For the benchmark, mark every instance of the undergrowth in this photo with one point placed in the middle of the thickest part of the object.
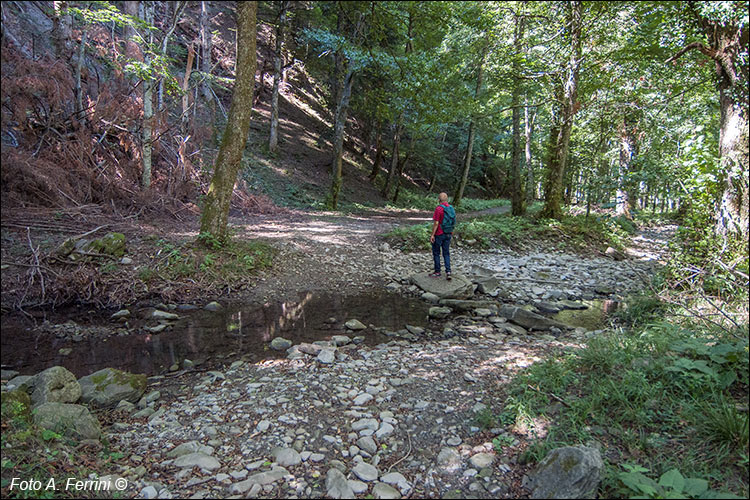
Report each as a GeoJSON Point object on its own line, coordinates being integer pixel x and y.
{"type": "Point", "coordinates": [667, 404]}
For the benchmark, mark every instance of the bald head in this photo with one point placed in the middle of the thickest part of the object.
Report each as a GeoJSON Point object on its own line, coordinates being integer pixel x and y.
{"type": "Point", "coordinates": [443, 198]}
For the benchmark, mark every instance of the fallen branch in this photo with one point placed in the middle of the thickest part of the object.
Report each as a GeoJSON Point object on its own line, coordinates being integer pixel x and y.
{"type": "Point", "coordinates": [404, 457]}
{"type": "Point", "coordinates": [553, 396]}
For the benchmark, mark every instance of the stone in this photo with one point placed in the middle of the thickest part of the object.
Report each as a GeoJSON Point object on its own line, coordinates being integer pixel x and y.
{"type": "Point", "coordinates": [458, 288]}
{"type": "Point", "coordinates": [382, 490]}
{"type": "Point", "coordinates": [567, 472]}
{"type": "Point", "coordinates": [487, 285]}
{"type": "Point", "coordinates": [482, 460]}
{"type": "Point", "coordinates": [149, 492]}
{"type": "Point", "coordinates": [157, 314]}
{"type": "Point", "coordinates": [547, 307]}
{"type": "Point", "coordinates": [190, 447]}
{"type": "Point", "coordinates": [213, 306]}
{"type": "Point", "coordinates": [439, 312]}
{"type": "Point", "coordinates": [365, 423]}
{"type": "Point", "coordinates": [157, 328]}
{"type": "Point", "coordinates": [280, 344]}
{"type": "Point", "coordinates": [362, 399]}
{"type": "Point", "coordinates": [528, 319]}
{"type": "Point", "coordinates": [430, 297]}
{"type": "Point", "coordinates": [286, 457]}
{"type": "Point", "coordinates": [339, 340]}
{"type": "Point", "coordinates": [385, 430]}
{"type": "Point", "coordinates": [448, 460]}
{"type": "Point", "coordinates": [326, 356]}
{"type": "Point", "coordinates": [68, 419]}
{"type": "Point", "coordinates": [311, 349]}
{"type": "Point", "coordinates": [126, 261]}
{"type": "Point", "coordinates": [365, 471]}
{"type": "Point", "coordinates": [358, 487]}
{"type": "Point", "coordinates": [122, 313]}
{"type": "Point", "coordinates": [337, 486]}
{"type": "Point", "coordinates": [55, 385]}
{"type": "Point", "coordinates": [354, 324]}
{"type": "Point", "coordinates": [396, 478]}
{"type": "Point", "coordinates": [259, 479]}
{"type": "Point", "coordinates": [614, 254]}
{"type": "Point", "coordinates": [7, 374]}
{"type": "Point", "coordinates": [23, 382]}
{"type": "Point", "coordinates": [109, 386]}
{"type": "Point", "coordinates": [197, 459]}
{"type": "Point", "coordinates": [367, 444]}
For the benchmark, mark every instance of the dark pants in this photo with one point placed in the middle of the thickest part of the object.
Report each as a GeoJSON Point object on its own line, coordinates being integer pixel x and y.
{"type": "Point", "coordinates": [442, 242]}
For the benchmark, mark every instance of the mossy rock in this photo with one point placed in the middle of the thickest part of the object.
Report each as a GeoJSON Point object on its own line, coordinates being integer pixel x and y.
{"type": "Point", "coordinates": [109, 244]}
{"type": "Point", "coordinates": [109, 386]}
{"type": "Point", "coordinates": [19, 399]}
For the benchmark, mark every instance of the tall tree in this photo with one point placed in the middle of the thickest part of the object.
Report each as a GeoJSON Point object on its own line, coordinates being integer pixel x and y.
{"type": "Point", "coordinates": [567, 107]}
{"type": "Point", "coordinates": [278, 59]}
{"type": "Point", "coordinates": [723, 38]}
{"type": "Point", "coordinates": [518, 206]}
{"type": "Point", "coordinates": [472, 131]}
{"type": "Point", "coordinates": [216, 203]}
{"type": "Point", "coordinates": [148, 93]}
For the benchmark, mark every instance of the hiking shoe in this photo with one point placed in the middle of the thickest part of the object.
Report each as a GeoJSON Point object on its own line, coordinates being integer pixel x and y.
{"type": "Point", "coordinates": [448, 276]}
{"type": "Point", "coordinates": [435, 275]}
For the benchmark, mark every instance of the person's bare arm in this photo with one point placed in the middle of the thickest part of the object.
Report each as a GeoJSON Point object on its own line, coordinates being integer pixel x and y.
{"type": "Point", "coordinates": [435, 226]}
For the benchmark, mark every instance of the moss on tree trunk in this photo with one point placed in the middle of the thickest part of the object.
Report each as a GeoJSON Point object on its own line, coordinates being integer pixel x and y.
{"type": "Point", "coordinates": [216, 203]}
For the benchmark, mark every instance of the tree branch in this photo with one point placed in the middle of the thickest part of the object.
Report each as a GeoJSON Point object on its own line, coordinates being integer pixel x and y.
{"type": "Point", "coordinates": [707, 51]}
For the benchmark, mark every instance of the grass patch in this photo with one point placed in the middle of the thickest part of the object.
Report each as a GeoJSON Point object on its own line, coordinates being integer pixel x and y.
{"type": "Point", "coordinates": [575, 233]}
{"type": "Point", "coordinates": [661, 399]}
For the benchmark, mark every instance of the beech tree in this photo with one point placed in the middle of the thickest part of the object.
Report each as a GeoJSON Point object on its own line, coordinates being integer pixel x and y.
{"type": "Point", "coordinates": [216, 202]}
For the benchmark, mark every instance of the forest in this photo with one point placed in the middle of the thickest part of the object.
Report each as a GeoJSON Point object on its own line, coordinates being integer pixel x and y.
{"type": "Point", "coordinates": [216, 235]}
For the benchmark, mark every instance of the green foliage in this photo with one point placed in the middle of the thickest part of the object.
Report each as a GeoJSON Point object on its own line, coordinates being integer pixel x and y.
{"type": "Point", "coordinates": [671, 484]}
{"type": "Point", "coordinates": [485, 419]}
{"type": "Point", "coordinates": [501, 442]}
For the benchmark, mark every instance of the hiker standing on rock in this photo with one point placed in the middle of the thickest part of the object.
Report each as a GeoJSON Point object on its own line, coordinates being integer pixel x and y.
{"type": "Point", "coordinates": [444, 219]}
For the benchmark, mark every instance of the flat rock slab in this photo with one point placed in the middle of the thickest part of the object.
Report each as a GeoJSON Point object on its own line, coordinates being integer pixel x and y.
{"type": "Point", "coordinates": [457, 288]}
{"type": "Point", "coordinates": [567, 472]}
{"type": "Point", "coordinates": [528, 319]}
{"type": "Point", "coordinates": [469, 305]}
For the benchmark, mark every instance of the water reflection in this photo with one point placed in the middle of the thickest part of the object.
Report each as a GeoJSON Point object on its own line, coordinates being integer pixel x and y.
{"type": "Point", "coordinates": [203, 336]}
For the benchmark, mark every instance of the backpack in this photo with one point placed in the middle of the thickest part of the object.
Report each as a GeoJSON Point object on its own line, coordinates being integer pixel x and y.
{"type": "Point", "coordinates": [449, 219]}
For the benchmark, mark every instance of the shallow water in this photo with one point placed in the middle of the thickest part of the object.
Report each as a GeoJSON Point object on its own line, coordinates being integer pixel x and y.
{"type": "Point", "coordinates": [595, 317]}
{"type": "Point", "coordinates": [202, 336]}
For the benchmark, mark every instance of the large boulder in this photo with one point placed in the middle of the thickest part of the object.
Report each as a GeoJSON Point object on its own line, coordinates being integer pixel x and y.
{"type": "Point", "coordinates": [567, 472]}
{"type": "Point", "coordinates": [457, 288]}
{"type": "Point", "coordinates": [70, 420]}
{"type": "Point", "coordinates": [528, 319]}
{"type": "Point", "coordinates": [109, 386]}
{"type": "Point", "coordinates": [55, 385]}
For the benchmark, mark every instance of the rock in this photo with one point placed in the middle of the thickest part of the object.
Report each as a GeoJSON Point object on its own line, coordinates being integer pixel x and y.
{"type": "Point", "coordinates": [68, 419]}
{"type": "Point", "coordinates": [149, 492]}
{"type": "Point", "coordinates": [286, 457]}
{"type": "Point", "coordinates": [126, 261]}
{"type": "Point", "coordinates": [482, 460]}
{"type": "Point", "coordinates": [382, 490]}
{"type": "Point", "coordinates": [156, 329]}
{"type": "Point", "coordinates": [213, 306]}
{"type": "Point", "coordinates": [190, 447]}
{"type": "Point", "coordinates": [569, 304]}
{"type": "Point", "coordinates": [326, 356]}
{"type": "Point", "coordinates": [547, 307]}
{"type": "Point", "coordinates": [396, 478]}
{"type": "Point", "coordinates": [7, 374]}
{"type": "Point", "coordinates": [311, 349]}
{"type": "Point", "coordinates": [109, 244]}
{"type": "Point", "coordinates": [55, 385]}
{"type": "Point", "coordinates": [337, 486]}
{"type": "Point", "coordinates": [23, 382]}
{"type": "Point", "coordinates": [613, 253]}
{"type": "Point", "coordinates": [385, 430]}
{"type": "Point", "coordinates": [487, 285]}
{"type": "Point", "coordinates": [365, 471]}
{"type": "Point", "coordinates": [439, 312]}
{"type": "Point", "coordinates": [197, 459]}
{"type": "Point", "coordinates": [358, 487]}
{"type": "Point", "coordinates": [365, 423]}
{"type": "Point", "coordinates": [567, 472]}
{"type": "Point", "coordinates": [528, 319]}
{"type": "Point", "coordinates": [362, 399]}
{"type": "Point", "coordinates": [430, 297]}
{"type": "Point", "coordinates": [448, 460]}
{"type": "Point", "coordinates": [368, 444]}
{"type": "Point", "coordinates": [280, 344]}
{"type": "Point", "coordinates": [261, 479]}
{"type": "Point", "coordinates": [122, 313]}
{"type": "Point", "coordinates": [603, 290]}
{"type": "Point", "coordinates": [109, 386]}
{"type": "Point", "coordinates": [354, 324]}
{"type": "Point", "coordinates": [157, 314]}
{"type": "Point", "coordinates": [339, 340]}
{"type": "Point", "coordinates": [458, 288]}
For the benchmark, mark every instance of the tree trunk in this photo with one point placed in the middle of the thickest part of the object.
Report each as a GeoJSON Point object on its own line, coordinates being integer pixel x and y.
{"type": "Point", "coordinates": [62, 30]}
{"type": "Point", "coordinates": [470, 143]}
{"type": "Point", "coordinates": [732, 212]}
{"type": "Point", "coordinates": [277, 64]}
{"type": "Point", "coordinates": [178, 8]}
{"type": "Point", "coordinates": [627, 154]}
{"type": "Point", "coordinates": [394, 159]}
{"type": "Point", "coordinates": [205, 53]}
{"type": "Point", "coordinates": [342, 109]}
{"type": "Point", "coordinates": [402, 166]}
{"type": "Point", "coordinates": [132, 50]}
{"type": "Point", "coordinates": [518, 207]}
{"type": "Point", "coordinates": [148, 111]}
{"type": "Point", "coordinates": [378, 154]}
{"type": "Point", "coordinates": [560, 137]}
{"type": "Point", "coordinates": [216, 204]}
{"type": "Point", "coordinates": [529, 130]}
